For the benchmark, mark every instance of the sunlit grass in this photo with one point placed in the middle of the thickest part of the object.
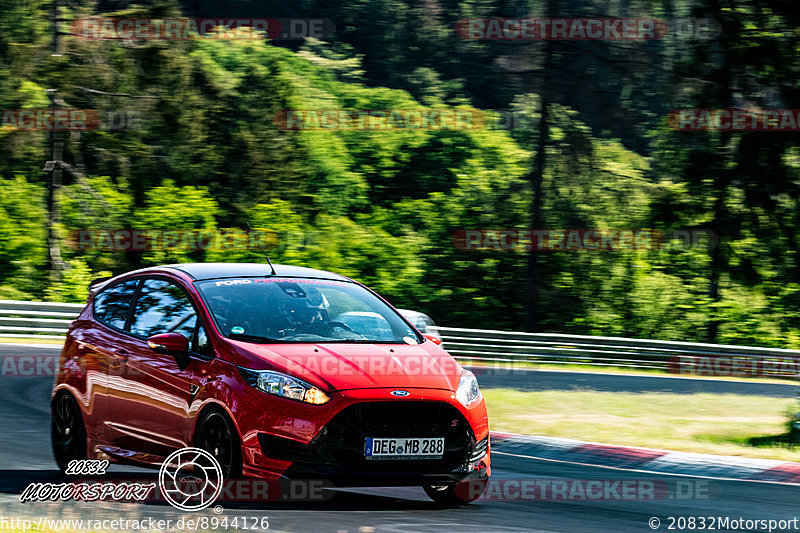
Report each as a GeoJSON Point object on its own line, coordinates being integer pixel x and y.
{"type": "Point", "coordinates": [748, 426]}
{"type": "Point", "coordinates": [30, 340]}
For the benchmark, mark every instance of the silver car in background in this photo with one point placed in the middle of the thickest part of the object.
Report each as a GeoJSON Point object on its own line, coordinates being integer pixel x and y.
{"type": "Point", "coordinates": [421, 321]}
{"type": "Point", "coordinates": [795, 429]}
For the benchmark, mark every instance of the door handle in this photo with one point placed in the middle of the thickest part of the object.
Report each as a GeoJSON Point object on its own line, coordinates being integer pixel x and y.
{"type": "Point", "coordinates": [121, 354]}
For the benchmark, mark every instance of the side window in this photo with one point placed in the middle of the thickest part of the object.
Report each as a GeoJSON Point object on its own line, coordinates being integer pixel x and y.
{"type": "Point", "coordinates": [113, 305]}
{"type": "Point", "coordinates": [162, 307]}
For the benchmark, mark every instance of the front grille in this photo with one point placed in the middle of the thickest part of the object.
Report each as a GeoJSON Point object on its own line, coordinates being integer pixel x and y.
{"type": "Point", "coordinates": [339, 446]}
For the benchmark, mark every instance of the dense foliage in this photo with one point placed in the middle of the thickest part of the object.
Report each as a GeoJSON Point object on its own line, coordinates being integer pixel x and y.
{"type": "Point", "coordinates": [205, 153]}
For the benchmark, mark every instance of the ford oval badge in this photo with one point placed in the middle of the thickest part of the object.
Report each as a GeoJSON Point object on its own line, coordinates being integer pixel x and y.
{"type": "Point", "coordinates": [400, 393]}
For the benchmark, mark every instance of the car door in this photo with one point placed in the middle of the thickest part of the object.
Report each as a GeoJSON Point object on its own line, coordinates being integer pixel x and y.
{"type": "Point", "coordinates": [150, 398]}
{"type": "Point", "coordinates": [95, 347]}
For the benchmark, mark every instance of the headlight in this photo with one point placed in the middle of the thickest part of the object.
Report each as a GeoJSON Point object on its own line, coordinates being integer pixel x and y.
{"type": "Point", "coordinates": [467, 388]}
{"type": "Point", "coordinates": [284, 386]}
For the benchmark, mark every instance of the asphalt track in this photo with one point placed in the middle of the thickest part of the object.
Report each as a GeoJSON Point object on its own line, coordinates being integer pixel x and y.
{"type": "Point", "coordinates": [539, 380]}
{"type": "Point", "coordinates": [25, 457]}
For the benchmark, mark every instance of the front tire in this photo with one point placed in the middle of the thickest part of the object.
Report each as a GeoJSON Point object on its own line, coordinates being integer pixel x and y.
{"type": "Point", "coordinates": [216, 435]}
{"type": "Point", "coordinates": [67, 431]}
{"type": "Point", "coordinates": [455, 495]}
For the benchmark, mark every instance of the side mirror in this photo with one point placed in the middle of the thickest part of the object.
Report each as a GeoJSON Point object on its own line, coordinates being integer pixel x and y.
{"type": "Point", "coordinates": [433, 338]}
{"type": "Point", "coordinates": [170, 343]}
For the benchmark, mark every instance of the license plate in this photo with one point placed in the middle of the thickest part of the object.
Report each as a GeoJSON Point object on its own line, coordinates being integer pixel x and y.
{"type": "Point", "coordinates": [400, 448]}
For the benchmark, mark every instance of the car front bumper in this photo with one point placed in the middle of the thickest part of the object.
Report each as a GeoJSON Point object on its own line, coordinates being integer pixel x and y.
{"type": "Point", "coordinates": [335, 452]}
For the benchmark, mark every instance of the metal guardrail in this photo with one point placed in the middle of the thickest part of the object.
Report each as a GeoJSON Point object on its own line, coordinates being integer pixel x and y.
{"type": "Point", "coordinates": [36, 319]}
{"type": "Point", "coordinates": [512, 347]}
{"type": "Point", "coordinates": [51, 320]}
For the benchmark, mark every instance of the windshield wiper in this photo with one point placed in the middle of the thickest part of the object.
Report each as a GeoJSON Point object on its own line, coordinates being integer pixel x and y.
{"type": "Point", "coordinates": [254, 338]}
{"type": "Point", "coordinates": [358, 341]}
{"type": "Point", "coordinates": [289, 340]}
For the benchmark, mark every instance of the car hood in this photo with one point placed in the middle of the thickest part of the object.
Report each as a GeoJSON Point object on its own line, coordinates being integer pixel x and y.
{"type": "Point", "coordinates": [354, 366]}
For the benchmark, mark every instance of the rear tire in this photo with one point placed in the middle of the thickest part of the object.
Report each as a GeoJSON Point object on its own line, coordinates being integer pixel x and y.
{"type": "Point", "coordinates": [216, 435]}
{"type": "Point", "coordinates": [455, 495]}
{"type": "Point", "coordinates": [67, 430]}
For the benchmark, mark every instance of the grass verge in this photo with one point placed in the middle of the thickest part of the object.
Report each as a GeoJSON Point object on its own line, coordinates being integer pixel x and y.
{"type": "Point", "coordinates": [608, 369]}
{"type": "Point", "coordinates": [30, 340]}
{"type": "Point", "coordinates": [747, 426]}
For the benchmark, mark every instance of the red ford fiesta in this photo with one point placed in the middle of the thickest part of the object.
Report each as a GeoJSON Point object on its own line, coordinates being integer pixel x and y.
{"type": "Point", "coordinates": [279, 372]}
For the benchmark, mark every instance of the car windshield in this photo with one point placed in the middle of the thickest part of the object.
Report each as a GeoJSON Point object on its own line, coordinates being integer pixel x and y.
{"type": "Point", "coordinates": [300, 310]}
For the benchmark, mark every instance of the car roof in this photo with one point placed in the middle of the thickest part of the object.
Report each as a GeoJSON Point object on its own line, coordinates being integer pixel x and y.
{"type": "Point", "coordinates": [204, 271]}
